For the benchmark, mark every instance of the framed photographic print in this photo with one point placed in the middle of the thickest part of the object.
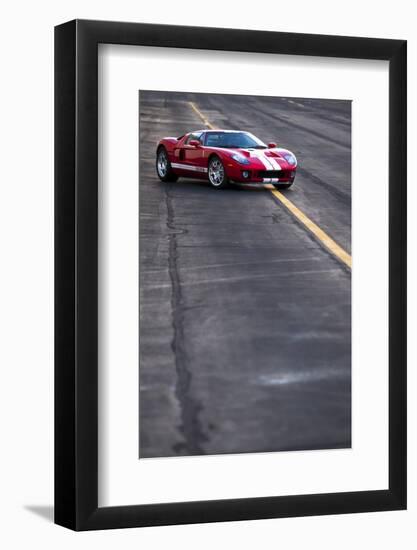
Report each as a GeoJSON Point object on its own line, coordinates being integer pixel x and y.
{"type": "Point", "coordinates": [230, 275]}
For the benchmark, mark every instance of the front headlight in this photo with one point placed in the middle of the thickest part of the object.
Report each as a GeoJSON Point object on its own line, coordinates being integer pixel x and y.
{"type": "Point", "coordinates": [240, 158]}
{"type": "Point", "coordinates": [290, 159]}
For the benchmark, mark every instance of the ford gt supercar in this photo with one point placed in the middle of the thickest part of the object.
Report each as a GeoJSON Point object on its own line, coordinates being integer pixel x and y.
{"type": "Point", "coordinates": [224, 156]}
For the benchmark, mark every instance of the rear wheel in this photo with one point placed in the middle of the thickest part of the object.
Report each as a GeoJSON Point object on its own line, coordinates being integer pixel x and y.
{"type": "Point", "coordinates": [217, 174]}
{"type": "Point", "coordinates": [163, 166]}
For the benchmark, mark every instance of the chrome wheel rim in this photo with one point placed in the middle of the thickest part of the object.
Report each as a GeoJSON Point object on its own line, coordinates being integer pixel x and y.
{"type": "Point", "coordinates": [216, 172]}
{"type": "Point", "coordinates": [162, 164]}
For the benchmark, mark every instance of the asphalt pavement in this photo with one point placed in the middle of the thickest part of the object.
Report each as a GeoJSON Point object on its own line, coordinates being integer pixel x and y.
{"type": "Point", "coordinates": [245, 316]}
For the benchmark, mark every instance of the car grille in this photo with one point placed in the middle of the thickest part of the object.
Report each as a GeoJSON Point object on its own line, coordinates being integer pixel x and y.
{"type": "Point", "coordinates": [276, 173]}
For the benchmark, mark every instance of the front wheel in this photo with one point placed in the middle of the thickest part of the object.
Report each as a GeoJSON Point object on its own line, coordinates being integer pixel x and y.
{"type": "Point", "coordinates": [283, 185]}
{"type": "Point", "coordinates": [163, 166]}
{"type": "Point", "coordinates": [217, 174]}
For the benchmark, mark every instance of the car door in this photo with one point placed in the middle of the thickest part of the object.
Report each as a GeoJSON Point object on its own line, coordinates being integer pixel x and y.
{"type": "Point", "coordinates": [191, 157]}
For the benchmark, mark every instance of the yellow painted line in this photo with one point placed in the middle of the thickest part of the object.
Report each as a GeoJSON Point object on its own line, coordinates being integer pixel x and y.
{"type": "Point", "coordinates": [200, 114]}
{"type": "Point", "coordinates": [321, 235]}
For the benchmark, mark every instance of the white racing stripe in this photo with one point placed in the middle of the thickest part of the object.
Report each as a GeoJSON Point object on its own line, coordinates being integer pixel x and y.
{"type": "Point", "coordinates": [275, 163]}
{"type": "Point", "coordinates": [269, 164]}
{"type": "Point", "coordinates": [260, 156]}
{"type": "Point", "coordinates": [188, 167]}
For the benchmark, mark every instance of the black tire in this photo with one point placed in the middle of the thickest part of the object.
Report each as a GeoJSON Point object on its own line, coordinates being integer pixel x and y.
{"type": "Point", "coordinates": [216, 173]}
{"type": "Point", "coordinates": [163, 166]}
{"type": "Point", "coordinates": [283, 185]}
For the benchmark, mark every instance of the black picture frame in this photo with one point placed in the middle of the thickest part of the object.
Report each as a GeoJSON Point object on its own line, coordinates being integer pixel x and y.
{"type": "Point", "coordinates": [76, 272]}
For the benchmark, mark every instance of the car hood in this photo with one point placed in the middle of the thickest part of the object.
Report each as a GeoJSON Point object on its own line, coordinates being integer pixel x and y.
{"type": "Point", "coordinates": [271, 159]}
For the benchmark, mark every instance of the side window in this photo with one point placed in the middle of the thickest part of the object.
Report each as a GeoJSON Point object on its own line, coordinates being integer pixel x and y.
{"type": "Point", "coordinates": [215, 139]}
{"type": "Point", "coordinates": [193, 136]}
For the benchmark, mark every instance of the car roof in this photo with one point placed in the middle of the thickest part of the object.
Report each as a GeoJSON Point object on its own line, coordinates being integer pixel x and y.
{"type": "Point", "coordinates": [217, 130]}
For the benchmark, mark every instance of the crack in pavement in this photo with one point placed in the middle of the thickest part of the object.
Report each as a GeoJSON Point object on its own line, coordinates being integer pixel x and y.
{"type": "Point", "coordinates": [316, 133]}
{"type": "Point", "coordinates": [190, 408]}
{"type": "Point", "coordinates": [344, 197]}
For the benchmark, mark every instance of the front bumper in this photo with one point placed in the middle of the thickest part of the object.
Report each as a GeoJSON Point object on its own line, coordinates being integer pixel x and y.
{"type": "Point", "coordinates": [262, 176]}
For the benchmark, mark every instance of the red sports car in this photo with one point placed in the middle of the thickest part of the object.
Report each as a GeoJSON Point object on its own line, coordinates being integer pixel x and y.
{"type": "Point", "coordinates": [224, 156]}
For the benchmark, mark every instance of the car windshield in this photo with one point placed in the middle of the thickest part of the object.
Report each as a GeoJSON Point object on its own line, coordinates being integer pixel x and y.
{"type": "Point", "coordinates": [234, 140]}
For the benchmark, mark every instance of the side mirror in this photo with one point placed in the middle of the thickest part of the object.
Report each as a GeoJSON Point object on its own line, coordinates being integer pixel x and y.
{"type": "Point", "coordinates": [194, 143]}
{"type": "Point", "coordinates": [272, 145]}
